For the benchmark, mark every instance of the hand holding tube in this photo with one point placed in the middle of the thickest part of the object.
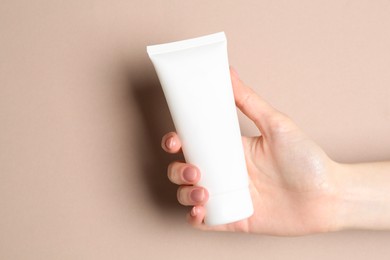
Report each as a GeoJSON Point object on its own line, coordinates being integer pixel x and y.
{"type": "Point", "coordinates": [296, 188]}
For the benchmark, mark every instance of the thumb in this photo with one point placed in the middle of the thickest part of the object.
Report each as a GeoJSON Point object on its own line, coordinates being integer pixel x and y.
{"type": "Point", "coordinates": [251, 104]}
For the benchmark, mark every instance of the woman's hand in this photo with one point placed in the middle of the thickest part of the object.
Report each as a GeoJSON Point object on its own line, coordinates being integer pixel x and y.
{"type": "Point", "coordinates": [294, 185]}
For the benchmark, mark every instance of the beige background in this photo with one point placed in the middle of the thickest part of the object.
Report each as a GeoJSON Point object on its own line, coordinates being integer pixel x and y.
{"type": "Point", "coordinates": [81, 116]}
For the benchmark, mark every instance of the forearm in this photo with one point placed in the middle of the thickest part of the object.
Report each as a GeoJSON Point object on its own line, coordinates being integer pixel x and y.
{"type": "Point", "coordinates": [364, 192]}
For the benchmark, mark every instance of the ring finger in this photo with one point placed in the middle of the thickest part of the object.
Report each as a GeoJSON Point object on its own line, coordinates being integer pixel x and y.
{"type": "Point", "coordinates": [192, 195]}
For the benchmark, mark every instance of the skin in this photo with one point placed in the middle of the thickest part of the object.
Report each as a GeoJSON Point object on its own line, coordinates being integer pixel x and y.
{"type": "Point", "coordinates": [296, 188]}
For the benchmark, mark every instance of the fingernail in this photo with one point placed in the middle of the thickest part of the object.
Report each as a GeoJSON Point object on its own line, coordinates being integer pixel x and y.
{"type": "Point", "coordinates": [189, 174]}
{"type": "Point", "coordinates": [197, 195]}
{"type": "Point", "coordinates": [194, 211]}
{"type": "Point", "coordinates": [170, 143]}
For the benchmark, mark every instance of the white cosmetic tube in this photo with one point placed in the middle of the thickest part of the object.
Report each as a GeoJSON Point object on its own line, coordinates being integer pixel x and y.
{"type": "Point", "coordinates": [195, 78]}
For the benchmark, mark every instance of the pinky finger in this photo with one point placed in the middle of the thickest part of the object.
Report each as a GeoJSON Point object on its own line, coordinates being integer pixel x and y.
{"type": "Point", "coordinates": [196, 219]}
{"type": "Point", "coordinates": [196, 216]}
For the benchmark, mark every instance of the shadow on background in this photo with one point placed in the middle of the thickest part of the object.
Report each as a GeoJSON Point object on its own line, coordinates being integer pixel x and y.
{"type": "Point", "coordinates": [155, 122]}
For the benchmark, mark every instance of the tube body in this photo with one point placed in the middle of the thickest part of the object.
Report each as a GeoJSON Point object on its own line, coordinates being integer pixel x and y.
{"type": "Point", "coordinates": [195, 78]}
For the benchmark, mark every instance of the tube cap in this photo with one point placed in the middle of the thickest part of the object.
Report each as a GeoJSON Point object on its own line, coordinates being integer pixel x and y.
{"type": "Point", "coordinates": [228, 207]}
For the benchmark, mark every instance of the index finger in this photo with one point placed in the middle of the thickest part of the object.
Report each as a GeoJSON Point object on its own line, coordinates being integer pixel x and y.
{"type": "Point", "coordinates": [171, 143]}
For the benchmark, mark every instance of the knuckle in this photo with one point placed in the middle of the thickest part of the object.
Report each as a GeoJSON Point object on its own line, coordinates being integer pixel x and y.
{"type": "Point", "coordinates": [163, 141]}
{"type": "Point", "coordinates": [244, 101]}
{"type": "Point", "coordinates": [170, 171]}
{"type": "Point", "coordinates": [280, 124]}
{"type": "Point", "coordinates": [174, 172]}
{"type": "Point", "coordinates": [180, 194]}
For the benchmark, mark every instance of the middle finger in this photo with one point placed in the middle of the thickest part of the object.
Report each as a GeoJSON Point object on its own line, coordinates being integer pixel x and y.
{"type": "Point", "coordinates": [183, 173]}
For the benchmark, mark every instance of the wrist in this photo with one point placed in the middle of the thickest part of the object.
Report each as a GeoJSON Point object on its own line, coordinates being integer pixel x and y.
{"type": "Point", "coordinates": [336, 203]}
{"type": "Point", "coordinates": [344, 216]}
{"type": "Point", "coordinates": [363, 201]}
